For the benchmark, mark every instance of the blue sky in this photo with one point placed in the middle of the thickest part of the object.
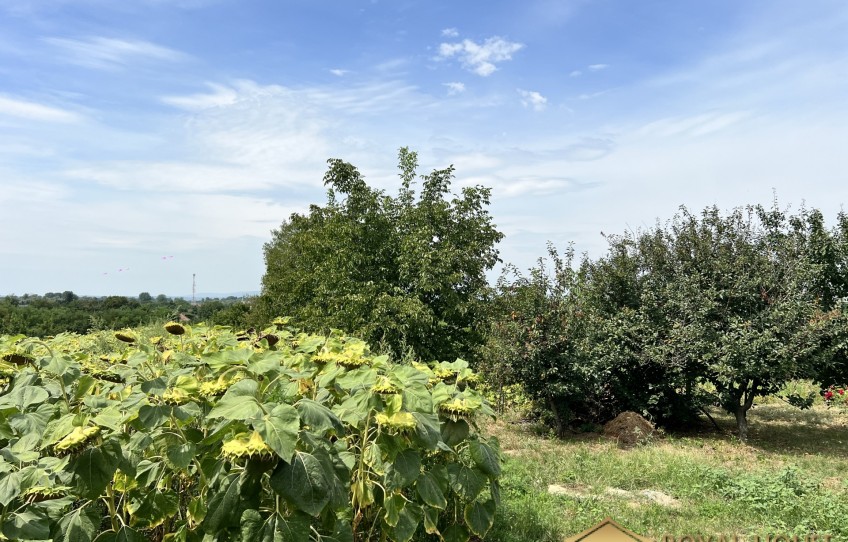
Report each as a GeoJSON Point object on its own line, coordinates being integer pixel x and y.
{"type": "Point", "coordinates": [142, 141]}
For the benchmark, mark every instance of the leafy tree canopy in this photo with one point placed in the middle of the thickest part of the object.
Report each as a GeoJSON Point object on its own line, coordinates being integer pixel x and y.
{"type": "Point", "coordinates": [707, 308]}
{"type": "Point", "coordinates": [406, 272]}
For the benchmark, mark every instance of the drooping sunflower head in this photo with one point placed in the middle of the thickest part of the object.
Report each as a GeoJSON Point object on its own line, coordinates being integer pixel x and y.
{"type": "Point", "coordinates": [175, 396]}
{"type": "Point", "coordinates": [125, 336]}
{"type": "Point", "coordinates": [17, 358]}
{"type": "Point", "coordinates": [213, 388]}
{"type": "Point", "coordinates": [353, 356]}
{"type": "Point", "coordinates": [271, 338]}
{"type": "Point", "coordinates": [444, 374]}
{"type": "Point", "coordinates": [106, 375]}
{"type": "Point", "coordinates": [457, 408]}
{"type": "Point", "coordinates": [280, 323]}
{"type": "Point", "coordinates": [398, 422]}
{"type": "Point", "coordinates": [77, 439]}
{"type": "Point", "coordinates": [43, 493]}
{"type": "Point", "coordinates": [384, 386]}
{"type": "Point", "coordinates": [323, 357]}
{"type": "Point", "coordinates": [175, 328]}
{"type": "Point", "coordinates": [242, 448]}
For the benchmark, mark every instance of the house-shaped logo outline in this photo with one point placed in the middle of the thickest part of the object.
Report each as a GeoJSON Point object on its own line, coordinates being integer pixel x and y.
{"type": "Point", "coordinates": [608, 531]}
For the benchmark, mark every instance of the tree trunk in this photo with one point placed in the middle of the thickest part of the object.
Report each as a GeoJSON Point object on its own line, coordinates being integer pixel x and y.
{"type": "Point", "coordinates": [707, 414]}
{"type": "Point", "coordinates": [742, 422]}
{"type": "Point", "coordinates": [558, 424]}
{"type": "Point", "coordinates": [747, 396]}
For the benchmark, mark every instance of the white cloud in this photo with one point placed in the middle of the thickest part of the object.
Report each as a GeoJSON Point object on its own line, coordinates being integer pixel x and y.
{"type": "Point", "coordinates": [109, 53]}
{"type": "Point", "coordinates": [35, 111]}
{"type": "Point", "coordinates": [597, 67]}
{"type": "Point", "coordinates": [220, 96]}
{"type": "Point", "coordinates": [575, 73]}
{"type": "Point", "coordinates": [450, 33]}
{"type": "Point", "coordinates": [481, 58]}
{"type": "Point", "coordinates": [454, 88]}
{"type": "Point", "coordinates": [339, 73]}
{"type": "Point", "coordinates": [531, 98]}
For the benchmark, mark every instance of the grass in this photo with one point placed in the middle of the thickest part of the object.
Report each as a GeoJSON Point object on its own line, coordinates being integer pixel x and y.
{"type": "Point", "coordinates": [790, 478]}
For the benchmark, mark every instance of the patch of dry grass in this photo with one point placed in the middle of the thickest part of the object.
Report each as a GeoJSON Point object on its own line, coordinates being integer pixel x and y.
{"type": "Point", "coordinates": [790, 477]}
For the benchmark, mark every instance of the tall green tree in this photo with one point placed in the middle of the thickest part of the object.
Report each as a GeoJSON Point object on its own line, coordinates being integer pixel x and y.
{"type": "Point", "coordinates": [406, 272]}
{"type": "Point", "coordinates": [829, 248]}
{"type": "Point", "coordinates": [737, 303]}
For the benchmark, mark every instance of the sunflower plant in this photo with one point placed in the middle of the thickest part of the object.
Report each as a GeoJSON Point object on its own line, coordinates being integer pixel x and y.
{"type": "Point", "coordinates": [216, 435]}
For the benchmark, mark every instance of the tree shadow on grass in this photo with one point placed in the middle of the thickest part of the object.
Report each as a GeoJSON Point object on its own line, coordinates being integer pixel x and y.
{"type": "Point", "coordinates": [787, 430]}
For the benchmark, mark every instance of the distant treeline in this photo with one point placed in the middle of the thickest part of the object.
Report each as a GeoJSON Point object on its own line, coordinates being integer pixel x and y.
{"type": "Point", "coordinates": [55, 312]}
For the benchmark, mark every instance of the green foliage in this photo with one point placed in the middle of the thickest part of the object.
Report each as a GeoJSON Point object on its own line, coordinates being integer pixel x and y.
{"type": "Point", "coordinates": [734, 303]}
{"type": "Point", "coordinates": [54, 313]}
{"type": "Point", "coordinates": [404, 273]}
{"type": "Point", "coordinates": [540, 340]}
{"type": "Point", "coordinates": [214, 435]}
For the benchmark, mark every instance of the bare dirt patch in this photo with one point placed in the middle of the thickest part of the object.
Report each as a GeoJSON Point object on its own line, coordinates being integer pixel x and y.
{"type": "Point", "coordinates": [578, 491]}
{"type": "Point", "coordinates": [635, 498]}
{"type": "Point", "coordinates": [643, 496]}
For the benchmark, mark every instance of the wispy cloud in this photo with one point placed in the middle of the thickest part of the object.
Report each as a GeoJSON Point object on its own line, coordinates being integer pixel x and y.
{"type": "Point", "coordinates": [592, 95]}
{"type": "Point", "coordinates": [391, 65]}
{"type": "Point", "coordinates": [220, 96]}
{"type": "Point", "coordinates": [110, 53]}
{"type": "Point", "coordinates": [531, 98]}
{"type": "Point", "coordinates": [179, 176]}
{"type": "Point", "coordinates": [28, 8]}
{"type": "Point", "coordinates": [18, 191]}
{"type": "Point", "coordinates": [450, 32]}
{"type": "Point", "coordinates": [539, 14]}
{"type": "Point", "coordinates": [497, 169]}
{"type": "Point", "coordinates": [244, 136]}
{"type": "Point", "coordinates": [35, 111]}
{"type": "Point", "coordinates": [480, 58]}
{"type": "Point", "coordinates": [541, 186]}
{"type": "Point", "coordinates": [695, 125]}
{"type": "Point", "coordinates": [590, 67]}
{"type": "Point", "coordinates": [339, 72]}
{"type": "Point", "coordinates": [454, 88]}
